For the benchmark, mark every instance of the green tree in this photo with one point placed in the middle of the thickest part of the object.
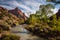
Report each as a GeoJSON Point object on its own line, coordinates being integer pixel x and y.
{"type": "Point", "coordinates": [54, 1]}
{"type": "Point", "coordinates": [58, 24]}
{"type": "Point", "coordinates": [53, 22]}
{"type": "Point", "coordinates": [44, 11]}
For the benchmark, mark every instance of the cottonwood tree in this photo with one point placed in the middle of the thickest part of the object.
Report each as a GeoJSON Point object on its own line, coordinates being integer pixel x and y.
{"type": "Point", "coordinates": [54, 1]}
{"type": "Point", "coordinates": [44, 10]}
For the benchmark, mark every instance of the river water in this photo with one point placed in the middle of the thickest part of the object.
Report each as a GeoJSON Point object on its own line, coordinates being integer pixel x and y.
{"type": "Point", "coordinates": [24, 34]}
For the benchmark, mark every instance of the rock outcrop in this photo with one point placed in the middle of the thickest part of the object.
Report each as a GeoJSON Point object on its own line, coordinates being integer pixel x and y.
{"type": "Point", "coordinates": [18, 13]}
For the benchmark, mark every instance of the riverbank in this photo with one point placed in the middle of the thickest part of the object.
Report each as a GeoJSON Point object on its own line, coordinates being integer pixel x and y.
{"type": "Point", "coordinates": [24, 34]}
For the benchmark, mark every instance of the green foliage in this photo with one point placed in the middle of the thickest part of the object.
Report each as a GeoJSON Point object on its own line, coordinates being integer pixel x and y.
{"type": "Point", "coordinates": [41, 14]}
{"type": "Point", "coordinates": [54, 1]}
{"type": "Point", "coordinates": [43, 25]}
{"type": "Point", "coordinates": [9, 37]}
{"type": "Point", "coordinates": [34, 19]}
{"type": "Point", "coordinates": [58, 24]}
{"type": "Point", "coordinates": [48, 0]}
{"type": "Point", "coordinates": [4, 26]}
{"type": "Point", "coordinates": [21, 21]}
{"type": "Point", "coordinates": [51, 0]}
{"type": "Point", "coordinates": [46, 9]}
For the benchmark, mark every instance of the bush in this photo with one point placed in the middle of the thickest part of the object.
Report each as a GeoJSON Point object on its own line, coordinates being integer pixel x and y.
{"type": "Point", "coordinates": [10, 37]}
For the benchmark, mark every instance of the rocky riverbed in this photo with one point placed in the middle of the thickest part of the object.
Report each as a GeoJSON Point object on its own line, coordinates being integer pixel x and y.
{"type": "Point", "coordinates": [24, 34]}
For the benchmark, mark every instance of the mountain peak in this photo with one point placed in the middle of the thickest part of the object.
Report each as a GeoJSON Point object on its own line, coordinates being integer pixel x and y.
{"type": "Point", "coordinates": [16, 8]}
{"type": "Point", "coordinates": [18, 13]}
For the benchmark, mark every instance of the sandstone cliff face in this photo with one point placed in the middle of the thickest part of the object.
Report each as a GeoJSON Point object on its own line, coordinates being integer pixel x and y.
{"type": "Point", "coordinates": [18, 13]}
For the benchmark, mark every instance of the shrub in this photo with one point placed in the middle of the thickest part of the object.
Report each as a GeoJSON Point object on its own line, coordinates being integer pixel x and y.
{"type": "Point", "coordinates": [10, 37]}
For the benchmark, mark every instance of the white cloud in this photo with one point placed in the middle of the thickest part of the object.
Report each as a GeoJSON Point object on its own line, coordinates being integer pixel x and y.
{"type": "Point", "coordinates": [28, 6]}
{"type": "Point", "coordinates": [15, 3]}
{"type": "Point", "coordinates": [8, 7]}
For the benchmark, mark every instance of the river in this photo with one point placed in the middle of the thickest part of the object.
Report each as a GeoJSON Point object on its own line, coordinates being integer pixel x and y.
{"type": "Point", "coordinates": [24, 34]}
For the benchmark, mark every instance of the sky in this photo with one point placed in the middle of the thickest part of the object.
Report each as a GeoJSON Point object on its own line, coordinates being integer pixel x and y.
{"type": "Point", "coordinates": [27, 6]}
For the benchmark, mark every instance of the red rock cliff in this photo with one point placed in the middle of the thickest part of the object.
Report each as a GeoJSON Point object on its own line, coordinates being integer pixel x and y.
{"type": "Point", "coordinates": [18, 13]}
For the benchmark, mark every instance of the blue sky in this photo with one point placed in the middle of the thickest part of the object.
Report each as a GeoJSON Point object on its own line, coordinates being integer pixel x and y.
{"type": "Point", "coordinates": [27, 6]}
